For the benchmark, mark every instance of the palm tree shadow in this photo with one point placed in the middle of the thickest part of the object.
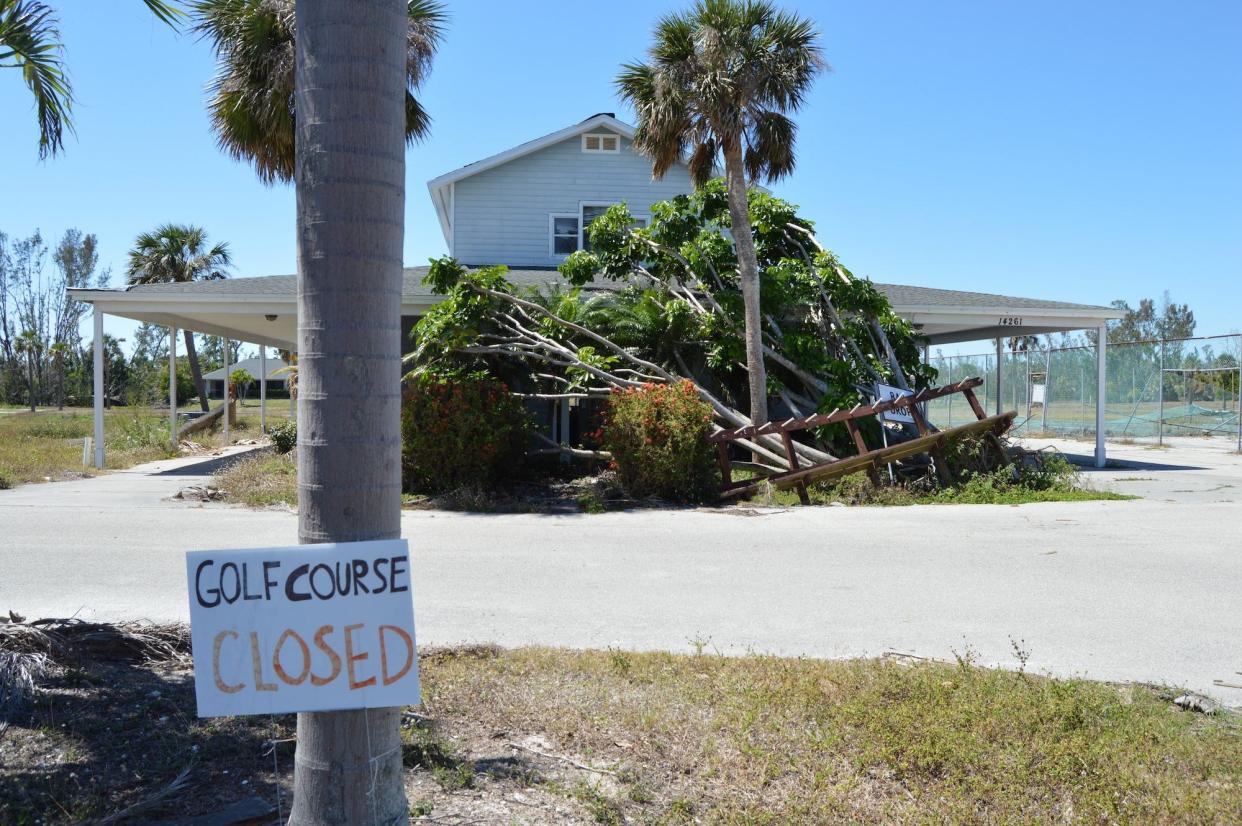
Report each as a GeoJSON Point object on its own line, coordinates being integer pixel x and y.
{"type": "Point", "coordinates": [99, 738]}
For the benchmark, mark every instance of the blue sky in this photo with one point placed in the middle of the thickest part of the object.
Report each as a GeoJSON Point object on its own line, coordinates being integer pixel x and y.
{"type": "Point", "coordinates": [1064, 150]}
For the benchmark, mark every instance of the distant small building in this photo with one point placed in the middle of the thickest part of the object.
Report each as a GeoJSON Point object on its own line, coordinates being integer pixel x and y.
{"type": "Point", "coordinates": [276, 380]}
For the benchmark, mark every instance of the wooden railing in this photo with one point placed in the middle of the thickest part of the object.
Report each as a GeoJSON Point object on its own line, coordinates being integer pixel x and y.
{"type": "Point", "coordinates": [929, 440]}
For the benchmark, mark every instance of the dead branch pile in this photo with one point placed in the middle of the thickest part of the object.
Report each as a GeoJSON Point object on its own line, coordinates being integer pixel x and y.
{"type": "Point", "coordinates": [30, 651]}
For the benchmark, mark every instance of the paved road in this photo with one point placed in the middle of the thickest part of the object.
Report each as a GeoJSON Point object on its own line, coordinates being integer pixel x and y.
{"type": "Point", "coordinates": [1142, 590]}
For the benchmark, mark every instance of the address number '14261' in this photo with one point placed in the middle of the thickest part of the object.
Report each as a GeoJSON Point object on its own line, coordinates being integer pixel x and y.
{"type": "Point", "coordinates": [1009, 321]}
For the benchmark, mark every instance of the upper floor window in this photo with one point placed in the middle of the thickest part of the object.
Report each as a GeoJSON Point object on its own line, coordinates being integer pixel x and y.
{"type": "Point", "coordinates": [601, 142]}
{"type": "Point", "coordinates": [569, 232]}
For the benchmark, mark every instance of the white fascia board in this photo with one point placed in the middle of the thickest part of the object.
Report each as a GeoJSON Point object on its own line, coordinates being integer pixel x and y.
{"type": "Point", "coordinates": [117, 300]}
{"type": "Point", "coordinates": [438, 200]}
{"type": "Point", "coordinates": [1038, 316]}
{"type": "Point", "coordinates": [417, 305]}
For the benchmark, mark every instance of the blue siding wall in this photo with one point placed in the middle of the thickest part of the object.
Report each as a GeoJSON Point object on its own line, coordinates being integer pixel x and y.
{"type": "Point", "coordinates": [501, 215]}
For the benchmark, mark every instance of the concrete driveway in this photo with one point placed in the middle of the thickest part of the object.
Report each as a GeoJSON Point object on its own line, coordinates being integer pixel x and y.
{"type": "Point", "coordinates": [1144, 590]}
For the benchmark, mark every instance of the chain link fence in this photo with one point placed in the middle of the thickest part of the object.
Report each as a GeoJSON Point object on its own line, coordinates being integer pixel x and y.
{"type": "Point", "coordinates": [1178, 387]}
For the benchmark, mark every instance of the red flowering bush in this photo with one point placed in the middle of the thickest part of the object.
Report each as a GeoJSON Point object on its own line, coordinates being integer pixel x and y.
{"type": "Point", "coordinates": [657, 435]}
{"type": "Point", "coordinates": [460, 432]}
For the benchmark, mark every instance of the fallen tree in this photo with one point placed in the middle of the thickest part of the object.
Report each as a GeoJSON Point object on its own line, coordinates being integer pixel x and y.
{"type": "Point", "coordinates": [661, 303]}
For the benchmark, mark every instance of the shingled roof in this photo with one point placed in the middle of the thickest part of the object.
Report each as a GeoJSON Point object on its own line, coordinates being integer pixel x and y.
{"type": "Point", "coordinates": [285, 286]}
{"type": "Point", "coordinates": [909, 296]}
{"type": "Point", "coordinates": [899, 295]}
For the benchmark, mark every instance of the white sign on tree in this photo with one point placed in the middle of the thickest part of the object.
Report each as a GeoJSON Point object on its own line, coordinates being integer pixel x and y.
{"type": "Point", "coordinates": [303, 628]}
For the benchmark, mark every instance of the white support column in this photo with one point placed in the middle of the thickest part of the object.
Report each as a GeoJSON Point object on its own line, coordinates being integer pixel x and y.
{"type": "Point", "coordinates": [1000, 361]}
{"type": "Point", "coordinates": [99, 389]}
{"type": "Point", "coordinates": [226, 392]}
{"type": "Point", "coordinates": [1101, 373]}
{"type": "Point", "coordinates": [172, 385]}
{"type": "Point", "coordinates": [263, 388]}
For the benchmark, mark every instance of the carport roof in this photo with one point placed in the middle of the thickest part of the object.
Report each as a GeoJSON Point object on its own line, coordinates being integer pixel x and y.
{"type": "Point", "coordinates": [263, 309]}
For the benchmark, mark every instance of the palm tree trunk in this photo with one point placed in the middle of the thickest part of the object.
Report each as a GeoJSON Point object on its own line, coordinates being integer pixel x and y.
{"type": "Point", "coordinates": [748, 276]}
{"type": "Point", "coordinates": [200, 386]}
{"type": "Point", "coordinates": [350, 175]}
{"type": "Point", "coordinates": [30, 377]}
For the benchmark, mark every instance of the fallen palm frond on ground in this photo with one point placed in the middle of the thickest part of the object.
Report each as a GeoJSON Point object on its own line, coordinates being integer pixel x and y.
{"type": "Point", "coordinates": [537, 736]}
{"type": "Point", "coordinates": [30, 651]}
{"type": "Point", "coordinates": [69, 640]}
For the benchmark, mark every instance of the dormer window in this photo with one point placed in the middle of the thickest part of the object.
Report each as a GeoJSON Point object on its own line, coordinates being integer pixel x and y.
{"type": "Point", "coordinates": [601, 142]}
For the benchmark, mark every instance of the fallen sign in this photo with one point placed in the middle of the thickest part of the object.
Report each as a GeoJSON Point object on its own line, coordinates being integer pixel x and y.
{"type": "Point", "coordinates": [302, 628]}
{"type": "Point", "coordinates": [888, 393]}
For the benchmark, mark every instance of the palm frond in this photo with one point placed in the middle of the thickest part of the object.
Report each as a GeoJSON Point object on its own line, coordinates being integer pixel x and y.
{"type": "Point", "coordinates": [770, 154]}
{"type": "Point", "coordinates": [30, 41]}
{"type": "Point", "coordinates": [251, 96]}
{"type": "Point", "coordinates": [724, 74]}
{"type": "Point", "coordinates": [177, 253]}
{"type": "Point", "coordinates": [166, 12]}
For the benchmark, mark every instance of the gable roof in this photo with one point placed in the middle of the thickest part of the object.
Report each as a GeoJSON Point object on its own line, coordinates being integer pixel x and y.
{"type": "Point", "coordinates": [440, 187]}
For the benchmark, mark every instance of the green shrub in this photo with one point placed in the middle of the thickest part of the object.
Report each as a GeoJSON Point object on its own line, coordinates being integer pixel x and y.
{"type": "Point", "coordinates": [1050, 471]}
{"type": "Point", "coordinates": [135, 432]}
{"type": "Point", "coordinates": [657, 435]}
{"type": "Point", "coordinates": [284, 437]}
{"type": "Point", "coordinates": [185, 384]}
{"type": "Point", "coordinates": [459, 433]}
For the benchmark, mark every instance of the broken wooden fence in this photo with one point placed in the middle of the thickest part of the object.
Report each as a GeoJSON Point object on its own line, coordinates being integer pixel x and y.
{"type": "Point", "coordinates": [929, 441]}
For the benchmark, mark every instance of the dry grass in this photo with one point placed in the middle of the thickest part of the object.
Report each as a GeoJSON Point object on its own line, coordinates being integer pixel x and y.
{"type": "Point", "coordinates": [544, 736]}
{"type": "Point", "coordinates": [261, 480]}
{"type": "Point", "coordinates": [47, 445]}
{"type": "Point", "coordinates": [768, 740]}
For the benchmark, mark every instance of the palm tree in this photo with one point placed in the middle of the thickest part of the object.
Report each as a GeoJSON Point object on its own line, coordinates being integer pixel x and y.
{"type": "Point", "coordinates": [252, 101]}
{"type": "Point", "coordinates": [29, 345]}
{"type": "Point", "coordinates": [179, 253]}
{"type": "Point", "coordinates": [58, 351]}
{"type": "Point", "coordinates": [1021, 344]}
{"type": "Point", "coordinates": [350, 177]}
{"type": "Point", "coordinates": [30, 41]}
{"type": "Point", "coordinates": [289, 371]}
{"type": "Point", "coordinates": [719, 82]}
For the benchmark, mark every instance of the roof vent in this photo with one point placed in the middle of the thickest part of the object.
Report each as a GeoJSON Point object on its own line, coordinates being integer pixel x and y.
{"type": "Point", "coordinates": [612, 115]}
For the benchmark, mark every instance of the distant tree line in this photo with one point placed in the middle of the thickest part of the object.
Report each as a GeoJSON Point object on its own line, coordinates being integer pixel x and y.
{"type": "Point", "coordinates": [1195, 371]}
{"type": "Point", "coordinates": [46, 361]}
